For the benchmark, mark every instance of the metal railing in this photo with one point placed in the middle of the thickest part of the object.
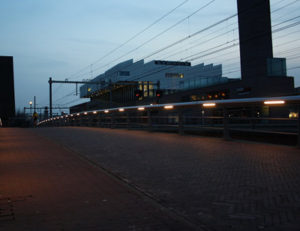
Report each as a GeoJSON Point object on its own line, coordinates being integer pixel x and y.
{"type": "Point", "coordinates": [228, 118]}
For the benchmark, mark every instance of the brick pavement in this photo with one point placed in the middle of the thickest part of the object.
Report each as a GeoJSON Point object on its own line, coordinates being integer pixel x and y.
{"type": "Point", "coordinates": [225, 185]}
{"type": "Point", "coordinates": [44, 186]}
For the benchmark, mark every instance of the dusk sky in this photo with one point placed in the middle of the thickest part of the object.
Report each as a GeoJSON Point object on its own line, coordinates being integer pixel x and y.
{"type": "Point", "coordinates": [60, 38]}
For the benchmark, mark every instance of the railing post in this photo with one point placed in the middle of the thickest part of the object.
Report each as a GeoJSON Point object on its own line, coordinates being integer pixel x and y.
{"type": "Point", "coordinates": [202, 117]}
{"type": "Point", "coordinates": [149, 118]}
{"type": "Point", "coordinates": [90, 119]}
{"type": "Point", "coordinates": [253, 118]}
{"type": "Point", "coordinates": [180, 122]}
{"type": "Point", "coordinates": [99, 118]}
{"type": "Point", "coordinates": [298, 143]}
{"type": "Point", "coordinates": [226, 134]}
{"type": "Point", "coordinates": [81, 121]}
{"type": "Point", "coordinates": [128, 120]}
{"type": "Point", "coordinates": [112, 120]}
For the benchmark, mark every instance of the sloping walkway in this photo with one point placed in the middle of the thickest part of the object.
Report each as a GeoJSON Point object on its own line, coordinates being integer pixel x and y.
{"type": "Point", "coordinates": [44, 186]}
{"type": "Point", "coordinates": [232, 186]}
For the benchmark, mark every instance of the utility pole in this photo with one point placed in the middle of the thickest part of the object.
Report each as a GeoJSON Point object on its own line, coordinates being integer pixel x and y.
{"type": "Point", "coordinates": [50, 96]}
{"type": "Point", "coordinates": [34, 104]}
{"type": "Point", "coordinates": [66, 81]}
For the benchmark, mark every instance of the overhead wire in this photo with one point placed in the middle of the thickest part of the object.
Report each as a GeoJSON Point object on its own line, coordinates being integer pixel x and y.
{"type": "Point", "coordinates": [136, 35]}
{"type": "Point", "coordinates": [159, 34]}
{"type": "Point", "coordinates": [174, 25]}
{"type": "Point", "coordinates": [279, 29]}
{"type": "Point", "coordinates": [193, 13]}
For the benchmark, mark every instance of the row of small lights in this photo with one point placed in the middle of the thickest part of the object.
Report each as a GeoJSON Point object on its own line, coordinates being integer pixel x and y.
{"type": "Point", "coordinates": [167, 107]}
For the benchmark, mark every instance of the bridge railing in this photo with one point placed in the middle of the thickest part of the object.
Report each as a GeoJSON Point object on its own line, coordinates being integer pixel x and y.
{"type": "Point", "coordinates": [228, 118]}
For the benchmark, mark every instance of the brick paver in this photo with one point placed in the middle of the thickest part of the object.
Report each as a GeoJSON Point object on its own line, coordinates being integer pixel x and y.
{"type": "Point", "coordinates": [44, 186]}
{"type": "Point", "coordinates": [225, 185]}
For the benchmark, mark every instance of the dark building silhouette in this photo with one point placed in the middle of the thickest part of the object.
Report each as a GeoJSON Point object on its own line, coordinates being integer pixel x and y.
{"type": "Point", "coordinates": [262, 74]}
{"type": "Point", "coordinates": [7, 92]}
{"type": "Point", "coordinates": [255, 37]}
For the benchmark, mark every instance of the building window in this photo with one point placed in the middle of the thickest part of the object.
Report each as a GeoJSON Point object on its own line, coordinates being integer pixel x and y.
{"type": "Point", "coordinates": [172, 63]}
{"type": "Point", "coordinates": [174, 75]}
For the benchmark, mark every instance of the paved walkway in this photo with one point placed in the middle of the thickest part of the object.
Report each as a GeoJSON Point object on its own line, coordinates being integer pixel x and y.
{"type": "Point", "coordinates": [44, 186]}
{"type": "Point", "coordinates": [223, 185]}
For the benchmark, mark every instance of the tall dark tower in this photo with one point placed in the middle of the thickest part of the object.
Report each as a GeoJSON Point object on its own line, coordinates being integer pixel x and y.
{"type": "Point", "coordinates": [7, 92]}
{"type": "Point", "coordinates": [255, 38]}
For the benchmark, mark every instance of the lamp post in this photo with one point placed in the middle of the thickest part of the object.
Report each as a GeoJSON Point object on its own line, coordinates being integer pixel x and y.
{"type": "Point", "coordinates": [30, 103]}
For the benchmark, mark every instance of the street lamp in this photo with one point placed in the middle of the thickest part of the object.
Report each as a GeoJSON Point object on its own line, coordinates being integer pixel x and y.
{"type": "Point", "coordinates": [30, 103]}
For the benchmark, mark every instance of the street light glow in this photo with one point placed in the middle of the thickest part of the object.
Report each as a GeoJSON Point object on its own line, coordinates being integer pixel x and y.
{"type": "Point", "coordinates": [274, 102]}
{"type": "Point", "coordinates": [209, 105]}
{"type": "Point", "coordinates": [141, 108]}
{"type": "Point", "coordinates": [168, 107]}
{"type": "Point", "coordinates": [121, 109]}
{"type": "Point", "coordinates": [106, 111]}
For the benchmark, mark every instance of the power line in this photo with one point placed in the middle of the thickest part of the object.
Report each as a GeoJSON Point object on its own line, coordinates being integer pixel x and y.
{"type": "Point", "coordinates": [137, 34]}
{"type": "Point", "coordinates": [199, 32]}
{"type": "Point", "coordinates": [277, 30]}
{"type": "Point", "coordinates": [159, 34]}
{"type": "Point", "coordinates": [287, 5]}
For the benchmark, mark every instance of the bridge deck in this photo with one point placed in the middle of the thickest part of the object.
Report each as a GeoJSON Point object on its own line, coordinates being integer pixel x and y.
{"type": "Point", "coordinates": [44, 186]}
{"type": "Point", "coordinates": [214, 184]}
